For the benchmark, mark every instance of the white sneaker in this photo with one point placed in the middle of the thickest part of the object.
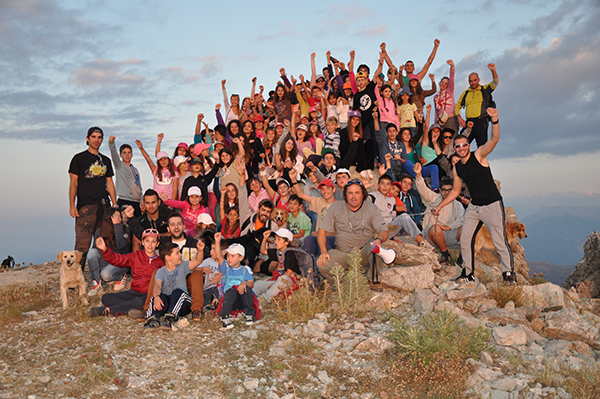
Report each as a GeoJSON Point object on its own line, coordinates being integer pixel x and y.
{"type": "Point", "coordinates": [120, 285]}
{"type": "Point", "coordinates": [96, 289]}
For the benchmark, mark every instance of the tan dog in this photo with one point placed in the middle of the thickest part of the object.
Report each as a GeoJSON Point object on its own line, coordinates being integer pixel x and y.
{"type": "Point", "coordinates": [484, 239]}
{"type": "Point", "coordinates": [280, 217]}
{"type": "Point", "coordinates": [71, 275]}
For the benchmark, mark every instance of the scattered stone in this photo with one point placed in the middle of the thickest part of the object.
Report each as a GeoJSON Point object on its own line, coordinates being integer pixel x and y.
{"type": "Point", "coordinates": [251, 384]}
{"type": "Point", "coordinates": [375, 342]}
{"type": "Point", "coordinates": [137, 382]}
{"type": "Point", "coordinates": [486, 358]}
{"type": "Point", "coordinates": [510, 306]}
{"type": "Point", "coordinates": [30, 313]}
{"type": "Point", "coordinates": [387, 299]}
{"type": "Point", "coordinates": [503, 316]}
{"type": "Point", "coordinates": [547, 296]}
{"type": "Point", "coordinates": [469, 290]}
{"type": "Point", "coordinates": [323, 377]}
{"type": "Point", "coordinates": [252, 334]}
{"type": "Point", "coordinates": [422, 300]}
{"type": "Point", "coordinates": [509, 336]}
{"type": "Point", "coordinates": [44, 379]}
{"type": "Point", "coordinates": [570, 325]}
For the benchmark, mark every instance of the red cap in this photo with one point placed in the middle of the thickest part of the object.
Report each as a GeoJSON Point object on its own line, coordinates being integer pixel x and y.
{"type": "Point", "coordinates": [326, 182]}
{"type": "Point", "coordinates": [258, 118]}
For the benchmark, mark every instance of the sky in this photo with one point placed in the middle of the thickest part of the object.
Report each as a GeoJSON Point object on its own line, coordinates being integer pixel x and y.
{"type": "Point", "coordinates": [139, 68]}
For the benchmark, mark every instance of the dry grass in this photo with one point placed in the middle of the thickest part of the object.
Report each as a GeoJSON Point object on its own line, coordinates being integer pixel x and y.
{"type": "Point", "coordinates": [302, 305]}
{"type": "Point", "coordinates": [503, 293]}
{"type": "Point", "coordinates": [18, 299]}
{"type": "Point", "coordinates": [350, 291]}
{"type": "Point", "coordinates": [583, 384]}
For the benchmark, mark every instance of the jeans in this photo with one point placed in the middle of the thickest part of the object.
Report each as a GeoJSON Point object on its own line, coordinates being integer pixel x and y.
{"type": "Point", "coordinates": [311, 245]}
{"type": "Point", "coordinates": [430, 170]}
{"type": "Point", "coordinates": [100, 269]}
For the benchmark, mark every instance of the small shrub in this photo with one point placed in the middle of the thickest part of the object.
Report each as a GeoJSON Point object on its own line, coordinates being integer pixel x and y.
{"type": "Point", "coordinates": [301, 305]}
{"type": "Point", "coordinates": [350, 290]}
{"type": "Point", "coordinates": [537, 280]}
{"type": "Point", "coordinates": [583, 384]}
{"type": "Point", "coordinates": [504, 293]}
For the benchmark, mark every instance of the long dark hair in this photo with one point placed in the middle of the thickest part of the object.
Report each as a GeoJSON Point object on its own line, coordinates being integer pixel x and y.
{"type": "Point", "coordinates": [234, 122]}
{"type": "Point", "coordinates": [107, 229]}
{"type": "Point", "coordinates": [350, 128]}
{"type": "Point", "coordinates": [411, 141]}
{"type": "Point", "coordinates": [230, 229]}
{"type": "Point", "coordinates": [283, 152]}
{"type": "Point", "coordinates": [159, 169]}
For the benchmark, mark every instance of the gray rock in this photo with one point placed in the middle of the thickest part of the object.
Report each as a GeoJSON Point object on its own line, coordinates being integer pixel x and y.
{"type": "Point", "coordinates": [252, 334]}
{"type": "Point", "coordinates": [251, 384]}
{"type": "Point", "coordinates": [509, 336]}
{"type": "Point", "coordinates": [137, 382]}
{"type": "Point", "coordinates": [323, 377]}
{"type": "Point", "coordinates": [422, 300]}
{"type": "Point", "coordinates": [486, 358]}
{"type": "Point", "coordinates": [468, 290]}
{"type": "Point", "coordinates": [568, 324]}
{"type": "Point", "coordinates": [503, 316]}
{"type": "Point", "coordinates": [408, 278]}
{"type": "Point", "coordinates": [547, 296]}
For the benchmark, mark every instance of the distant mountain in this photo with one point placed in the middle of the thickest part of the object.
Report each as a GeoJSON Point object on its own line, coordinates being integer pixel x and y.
{"type": "Point", "coordinates": [556, 274]}
{"type": "Point", "coordinates": [556, 234]}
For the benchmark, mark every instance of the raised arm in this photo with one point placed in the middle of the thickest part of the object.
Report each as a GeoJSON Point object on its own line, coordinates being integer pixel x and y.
{"type": "Point", "coordinates": [225, 99]}
{"type": "Point", "coordinates": [436, 44]}
{"type": "Point", "coordinates": [218, 253]}
{"type": "Point", "coordinates": [241, 151]}
{"type": "Point", "coordinates": [351, 62]}
{"type": "Point", "coordinates": [297, 190]}
{"type": "Point", "coordinates": [198, 126]}
{"type": "Point", "coordinates": [253, 88]}
{"type": "Point", "coordinates": [313, 68]}
{"type": "Point", "coordinates": [263, 243]}
{"type": "Point", "coordinates": [286, 82]}
{"type": "Point", "coordinates": [482, 152]}
{"type": "Point", "coordinates": [492, 68]}
{"type": "Point", "coordinates": [194, 263]}
{"type": "Point", "coordinates": [265, 181]}
{"type": "Point", "coordinates": [159, 139]}
{"type": "Point", "coordinates": [114, 154]}
{"type": "Point", "coordinates": [145, 155]}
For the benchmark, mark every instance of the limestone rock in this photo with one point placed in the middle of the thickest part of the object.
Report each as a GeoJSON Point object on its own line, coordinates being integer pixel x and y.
{"type": "Point", "coordinates": [502, 316]}
{"type": "Point", "coordinates": [411, 254]}
{"type": "Point", "coordinates": [547, 296]}
{"type": "Point", "coordinates": [408, 278]}
{"type": "Point", "coordinates": [422, 300]}
{"type": "Point", "coordinates": [376, 343]}
{"type": "Point", "coordinates": [387, 299]}
{"type": "Point", "coordinates": [588, 268]}
{"type": "Point", "coordinates": [568, 324]}
{"type": "Point", "coordinates": [468, 290]}
{"type": "Point", "coordinates": [509, 335]}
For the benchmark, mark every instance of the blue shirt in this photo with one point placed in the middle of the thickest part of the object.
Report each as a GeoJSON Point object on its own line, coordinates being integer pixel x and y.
{"type": "Point", "coordinates": [234, 276]}
{"type": "Point", "coordinates": [171, 280]}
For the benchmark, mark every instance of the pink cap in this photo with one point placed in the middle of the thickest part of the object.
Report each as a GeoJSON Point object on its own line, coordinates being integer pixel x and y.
{"type": "Point", "coordinates": [198, 148]}
{"type": "Point", "coordinates": [184, 145]}
{"type": "Point", "coordinates": [413, 76]}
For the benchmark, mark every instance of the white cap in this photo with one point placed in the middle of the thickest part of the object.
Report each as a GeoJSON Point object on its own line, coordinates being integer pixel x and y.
{"type": "Point", "coordinates": [343, 170]}
{"type": "Point", "coordinates": [161, 155]}
{"type": "Point", "coordinates": [179, 159]}
{"type": "Point", "coordinates": [236, 249]}
{"type": "Point", "coordinates": [303, 127]}
{"type": "Point", "coordinates": [205, 219]}
{"type": "Point", "coordinates": [285, 233]}
{"type": "Point", "coordinates": [194, 191]}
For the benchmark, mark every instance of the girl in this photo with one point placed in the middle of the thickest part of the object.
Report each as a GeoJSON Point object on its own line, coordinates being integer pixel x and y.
{"type": "Point", "coordinates": [255, 146]}
{"type": "Point", "coordinates": [288, 156]}
{"type": "Point", "coordinates": [166, 178]}
{"type": "Point", "coordinates": [182, 166]}
{"type": "Point", "coordinates": [282, 104]}
{"type": "Point", "coordinates": [191, 208]}
{"type": "Point", "coordinates": [411, 157]}
{"type": "Point", "coordinates": [352, 147]}
{"type": "Point", "coordinates": [269, 142]}
{"type": "Point", "coordinates": [246, 109]}
{"type": "Point", "coordinates": [388, 112]}
{"type": "Point", "coordinates": [258, 193]}
{"type": "Point", "coordinates": [230, 225]}
{"type": "Point", "coordinates": [302, 141]}
{"type": "Point", "coordinates": [233, 111]}
{"type": "Point", "coordinates": [419, 94]}
{"type": "Point", "coordinates": [332, 110]}
{"type": "Point", "coordinates": [444, 101]}
{"type": "Point", "coordinates": [406, 110]}
{"type": "Point", "coordinates": [228, 173]}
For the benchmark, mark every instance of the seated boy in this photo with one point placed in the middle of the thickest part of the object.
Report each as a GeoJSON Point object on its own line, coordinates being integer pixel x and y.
{"type": "Point", "coordinates": [299, 222]}
{"type": "Point", "coordinates": [210, 268]}
{"type": "Point", "coordinates": [237, 283]}
{"type": "Point", "coordinates": [170, 296]}
{"type": "Point", "coordinates": [286, 266]}
{"type": "Point", "coordinates": [142, 263]}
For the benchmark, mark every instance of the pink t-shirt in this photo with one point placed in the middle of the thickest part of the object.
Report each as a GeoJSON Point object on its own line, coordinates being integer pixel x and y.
{"type": "Point", "coordinates": [189, 215]}
{"type": "Point", "coordinates": [166, 184]}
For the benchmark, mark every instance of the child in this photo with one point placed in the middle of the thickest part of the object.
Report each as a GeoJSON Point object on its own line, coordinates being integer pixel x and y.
{"type": "Point", "coordinates": [406, 110]}
{"type": "Point", "coordinates": [328, 167]}
{"type": "Point", "coordinates": [210, 268]}
{"type": "Point", "coordinates": [300, 224]}
{"type": "Point", "coordinates": [237, 284]}
{"type": "Point", "coordinates": [191, 208]}
{"type": "Point", "coordinates": [166, 178]}
{"type": "Point", "coordinates": [230, 224]}
{"type": "Point", "coordinates": [170, 296]}
{"type": "Point", "coordinates": [284, 268]}
{"type": "Point", "coordinates": [258, 194]}
{"type": "Point", "coordinates": [183, 169]}
{"type": "Point", "coordinates": [282, 196]}
{"type": "Point", "coordinates": [142, 263]}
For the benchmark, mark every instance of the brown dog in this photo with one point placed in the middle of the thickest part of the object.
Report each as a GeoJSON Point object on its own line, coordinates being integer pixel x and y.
{"type": "Point", "coordinates": [280, 217]}
{"type": "Point", "coordinates": [71, 275]}
{"type": "Point", "coordinates": [484, 239]}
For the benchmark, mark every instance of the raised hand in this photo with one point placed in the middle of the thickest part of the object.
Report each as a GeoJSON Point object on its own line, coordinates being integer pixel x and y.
{"type": "Point", "coordinates": [163, 197]}
{"type": "Point", "coordinates": [293, 174]}
{"type": "Point", "coordinates": [492, 67]}
{"type": "Point", "coordinates": [200, 246]}
{"type": "Point", "coordinates": [282, 71]}
{"type": "Point", "coordinates": [254, 79]}
{"type": "Point", "coordinates": [286, 122]}
{"type": "Point", "coordinates": [313, 55]}
{"type": "Point", "coordinates": [382, 46]}
{"type": "Point", "coordinates": [294, 81]}
{"type": "Point", "coordinates": [301, 77]}
{"type": "Point", "coordinates": [401, 68]}
{"type": "Point", "coordinates": [428, 106]}
{"type": "Point", "coordinates": [139, 144]}
{"type": "Point", "coordinates": [223, 82]}
{"type": "Point", "coordinates": [310, 165]}
{"type": "Point", "coordinates": [200, 117]}
{"type": "Point", "coordinates": [217, 107]}
{"type": "Point", "coordinates": [218, 237]}
{"type": "Point", "coordinates": [451, 63]}
{"type": "Point", "coordinates": [388, 157]}
{"type": "Point", "coordinates": [352, 54]}
{"type": "Point", "coordinates": [266, 234]}
{"type": "Point", "coordinates": [432, 77]}
{"type": "Point", "coordinates": [261, 88]}
{"type": "Point", "coordinates": [328, 54]}
{"type": "Point", "coordinates": [111, 139]}
{"type": "Point", "coordinates": [436, 42]}
{"type": "Point", "coordinates": [493, 113]}
{"type": "Point", "coordinates": [128, 211]}
{"type": "Point", "coordinates": [160, 136]}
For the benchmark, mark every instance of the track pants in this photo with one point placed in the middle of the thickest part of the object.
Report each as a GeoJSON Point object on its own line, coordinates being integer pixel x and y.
{"type": "Point", "coordinates": [493, 217]}
{"type": "Point", "coordinates": [178, 303]}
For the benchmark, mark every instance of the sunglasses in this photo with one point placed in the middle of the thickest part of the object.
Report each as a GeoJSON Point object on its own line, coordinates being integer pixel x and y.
{"type": "Point", "coordinates": [447, 137]}
{"type": "Point", "coordinates": [150, 231]}
{"type": "Point", "coordinates": [461, 145]}
{"type": "Point", "coordinates": [350, 182]}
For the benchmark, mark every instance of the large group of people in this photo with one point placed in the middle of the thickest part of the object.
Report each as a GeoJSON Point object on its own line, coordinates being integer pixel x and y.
{"type": "Point", "coordinates": [344, 160]}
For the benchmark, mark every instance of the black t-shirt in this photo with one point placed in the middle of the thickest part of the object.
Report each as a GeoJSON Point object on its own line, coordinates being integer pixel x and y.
{"type": "Point", "coordinates": [92, 171]}
{"type": "Point", "coordinates": [290, 262]}
{"type": "Point", "coordinates": [160, 224]}
{"type": "Point", "coordinates": [479, 181]}
{"type": "Point", "coordinates": [365, 102]}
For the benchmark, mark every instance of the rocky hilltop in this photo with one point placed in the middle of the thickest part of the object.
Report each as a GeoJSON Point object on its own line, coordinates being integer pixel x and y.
{"type": "Point", "coordinates": [586, 277]}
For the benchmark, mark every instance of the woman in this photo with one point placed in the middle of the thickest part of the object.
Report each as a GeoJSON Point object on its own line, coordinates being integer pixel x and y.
{"type": "Point", "coordinates": [233, 111]}
{"type": "Point", "coordinates": [444, 102]}
{"type": "Point", "coordinates": [410, 159]}
{"type": "Point", "coordinates": [288, 157]}
{"type": "Point", "coordinates": [282, 104]}
{"type": "Point", "coordinates": [353, 149]}
{"type": "Point", "coordinates": [419, 95]}
{"type": "Point", "coordinates": [255, 146]}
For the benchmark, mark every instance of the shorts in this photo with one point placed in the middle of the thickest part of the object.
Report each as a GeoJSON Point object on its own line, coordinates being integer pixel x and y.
{"type": "Point", "coordinates": [449, 235]}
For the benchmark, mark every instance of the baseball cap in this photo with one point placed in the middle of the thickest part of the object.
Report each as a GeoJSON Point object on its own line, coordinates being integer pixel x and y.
{"type": "Point", "coordinates": [435, 126]}
{"type": "Point", "coordinates": [352, 113]}
{"type": "Point", "coordinates": [414, 76]}
{"type": "Point", "coordinates": [179, 159]}
{"type": "Point", "coordinates": [279, 124]}
{"type": "Point", "coordinates": [303, 127]}
{"type": "Point", "coordinates": [320, 77]}
{"type": "Point", "coordinates": [326, 182]}
{"type": "Point", "coordinates": [282, 180]}
{"type": "Point", "coordinates": [184, 145]}
{"type": "Point", "coordinates": [343, 170]}
{"type": "Point", "coordinates": [347, 85]}
{"type": "Point", "coordinates": [285, 233]}
{"type": "Point", "coordinates": [314, 122]}
{"type": "Point", "coordinates": [161, 155]}
{"type": "Point", "coordinates": [303, 116]}
{"type": "Point", "coordinates": [198, 148]}
{"type": "Point", "coordinates": [258, 118]}
{"type": "Point", "coordinates": [194, 161]}
{"type": "Point", "coordinates": [236, 249]}
{"type": "Point", "coordinates": [150, 233]}
{"type": "Point", "coordinates": [405, 90]}
{"type": "Point", "coordinates": [217, 143]}
{"type": "Point", "coordinates": [327, 150]}
{"type": "Point", "coordinates": [94, 129]}
{"type": "Point", "coordinates": [361, 75]}
{"type": "Point", "coordinates": [194, 191]}
{"type": "Point", "coordinates": [312, 109]}
{"type": "Point", "coordinates": [204, 218]}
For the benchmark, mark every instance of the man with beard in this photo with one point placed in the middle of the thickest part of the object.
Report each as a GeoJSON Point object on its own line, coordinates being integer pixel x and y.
{"type": "Point", "coordinates": [154, 217]}
{"type": "Point", "coordinates": [486, 205]}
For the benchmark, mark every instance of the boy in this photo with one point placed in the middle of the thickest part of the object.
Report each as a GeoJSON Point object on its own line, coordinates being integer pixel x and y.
{"type": "Point", "coordinates": [300, 224]}
{"type": "Point", "coordinates": [258, 194]}
{"type": "Point", "coordinates": [411, 202]}
{"type": "Point", "coordinates": [142, 263]}
{"type": "Point", "coordinates": [237, 283]}
{"type": "Point", "coordinates": [328, 167]}
{"type": "Point", "coordinates": [170, 296]}
{"type": "Point", "coordinates": [129, 185]}
{"type": "Point", "coordinates": [284, 268]}
{"type": "Point", "coordinates": [281, 197]}
{"type": "Point", "coordinates": [210, 268]}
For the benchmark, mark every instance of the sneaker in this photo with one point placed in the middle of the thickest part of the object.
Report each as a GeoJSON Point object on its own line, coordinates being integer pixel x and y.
{"type": "Point", "coordinates": [120, 285]}
{"type": "Point", "coordinates": [509, 277]}
{"type": "Point", "coordinates": [464, 277]}
{"type": "Point", "coordinates": [226, 323]}
{"type": "Point", "coordinates": [197, 315]}
{"type": "Point", "coordinates": [96, 289]}
{"type": "Point", "coordinates": [151, 324]}
{"type": "Point", "coordinates": [136, 314]}
{"type": "Point", "coordinates": [250, 320]}
{"type": "Point", "coordinates": [99, 311]}
{"type": "Point", "coordinates": [167, 322]}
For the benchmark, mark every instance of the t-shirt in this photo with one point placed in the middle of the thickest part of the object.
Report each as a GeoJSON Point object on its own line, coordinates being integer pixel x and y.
{"type": "Point", "coordinates": [365, 102]}
{"type": "Point", "coordinates": [319, 205]}
{"type": "Point", "coordinates": [427, 152]}
{"type": "Point", "coordinates": [92, 171]}
{"type": "Point", "coordinates": [385, 204]}
{"type": "Point", "coordinates": [166, 184]}
{"type": "Point", "coordinates": [234, 276]}
{"type": "Point", "coordinates": [406, 115]}
{"type": "Point", "coordinates": [289, 262]}
{"type": "Point", "coordinates": [214, 270]}
{"type": "Point", "coordinates": [353, 229]}
{"type": "Point", "coordinates": [300, 222]}
{"type": "Point", "coordinates": [174, 279]}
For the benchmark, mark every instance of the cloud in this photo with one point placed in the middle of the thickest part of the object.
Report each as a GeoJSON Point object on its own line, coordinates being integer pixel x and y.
{"type": "Point", "coordinates": [106, 73]}
{"type": "Point", "coordinates": [272, 36]}
{"type": "Point", "coordinates": [179, 73]}
{"type": "Point", "coordinates": [372, 32]}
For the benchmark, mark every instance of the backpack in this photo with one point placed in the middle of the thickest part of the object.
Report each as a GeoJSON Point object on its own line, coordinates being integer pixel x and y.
{"type": "Point", "coordinates": [487, 100]}
{"type": "Point", "coordinates": [308, 267]}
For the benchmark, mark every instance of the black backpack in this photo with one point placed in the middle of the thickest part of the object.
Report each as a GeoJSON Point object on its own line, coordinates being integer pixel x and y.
{"type": "Point", "coordinates": [308, 267]}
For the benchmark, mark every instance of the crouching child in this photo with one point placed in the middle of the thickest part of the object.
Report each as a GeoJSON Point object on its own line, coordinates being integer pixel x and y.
{"type": "Point", "coordinates": [170, 297]}
{"type": "Point", "coordinates": [237, 282]}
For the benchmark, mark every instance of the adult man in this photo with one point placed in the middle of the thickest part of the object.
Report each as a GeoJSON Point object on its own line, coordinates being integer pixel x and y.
{"type": "Point", "coordinates": [354, 222]}
{"type": "Point", "coordinates": [476, 99]}
{"type": "Point", "coordinates": [409, 66]}
{"type": "Point", "coordinates": [92, 184]}
{"type": "Point", "coordinates": [486, 205]}
{"type": "Point", "coordinates": [129, 185]}
{"type": "Point", "coordinates": [155, 217]}
{"type": "Point", "coordinates": [444, 229]}
{"type": "Point", "coordinates": [252, 221]}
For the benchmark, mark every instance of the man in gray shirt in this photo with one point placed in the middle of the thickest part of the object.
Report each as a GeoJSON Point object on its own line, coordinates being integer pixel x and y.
{"type": "Point", "coordinates": [355, 223]}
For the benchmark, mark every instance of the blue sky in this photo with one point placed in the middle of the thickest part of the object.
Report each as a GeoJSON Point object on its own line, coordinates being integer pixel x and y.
{"type": "Point", "coordinates": [138, 68]}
